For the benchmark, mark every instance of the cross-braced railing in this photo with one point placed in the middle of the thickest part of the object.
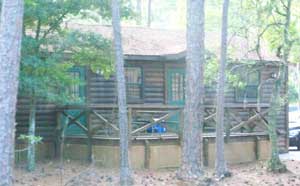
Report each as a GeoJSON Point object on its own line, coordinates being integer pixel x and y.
{"type": "Point", "coordinates": [157, 120]}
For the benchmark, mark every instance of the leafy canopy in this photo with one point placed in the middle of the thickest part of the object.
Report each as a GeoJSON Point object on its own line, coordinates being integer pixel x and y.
{"type": "Point", "coordinates": [50, 49]}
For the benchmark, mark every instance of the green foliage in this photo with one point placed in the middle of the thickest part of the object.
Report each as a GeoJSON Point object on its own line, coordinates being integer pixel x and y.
{"type": "Point", "coordinates": [292, 92]}
{"type": "Point", "coordinates": [49, 50]}
{"type": "Point", "coordinates": [30, 138]}
{"type": "Point", "coordinates": [233, 77]}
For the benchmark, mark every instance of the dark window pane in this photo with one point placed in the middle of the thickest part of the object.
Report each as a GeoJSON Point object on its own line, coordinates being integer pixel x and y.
{"type": "Point", "coordinates": [250, 91]}
{"type": "Point", "coordinates": [133, 77]}
{"type": "Point", "coordinates": [177, 87]}
{"type": "Point", "coordinates": [253, 78]}
{"type": "Point", "coordinates": [75, 88]}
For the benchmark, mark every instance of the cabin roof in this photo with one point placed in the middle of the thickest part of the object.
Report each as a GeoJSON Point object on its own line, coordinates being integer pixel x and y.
{"type": "Point", "coordinates": [149, 44]}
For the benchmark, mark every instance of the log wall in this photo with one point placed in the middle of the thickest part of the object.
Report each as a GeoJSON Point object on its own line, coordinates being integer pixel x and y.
{"type": "Point", "coordinates": [103, 91]}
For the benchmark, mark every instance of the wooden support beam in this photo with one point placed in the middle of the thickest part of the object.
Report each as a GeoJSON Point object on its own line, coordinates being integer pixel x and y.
{"type": "Point", "coordinates": [90, 139]}
{"type": "Point", "coordinates": [105, 121]}
{"type": "Point", "coordinates": [256, 147]}
{"type": "Point", "coordinates": [58, 135]}
{"type": "Point", "coordinates": [76, 117]}
{"type": "Point", "coordinates": [129, 125]}
{"type": "Point", "coordinates": [251, 119]}
{"type": "Point", "coordinates": [75, 122]}
{"type": "Point", "coordinates": [210, 116]}
{"type": "Point", "coordinates": [205, 151]}
{"type": "Point", "coordinates": [180, 126]}
{"type": "Point", "coordinates": [166, 116]}
{"type": "Point", "coordinates": [147, 154]}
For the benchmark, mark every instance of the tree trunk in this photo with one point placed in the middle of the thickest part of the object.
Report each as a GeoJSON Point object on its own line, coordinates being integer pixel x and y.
{"type": "Point", "coordinates": [31, 135]}
{"type": "Point", "coordinates": [191, 167]}
{"type": "Point", "coordinates": [10, 47]}
{"type": "Point", "coordinates": [149, 18]}
{"type": "Point", "coordinates": [220, 163]}
{"type": "Point", "coordinates": [138, 12]}
{"type": "Point", "coordinates": [298, 85]}
{"type": "Point", "coordinates": [125, 171]}
{"type": "Point", "coordinates": [275, 164]}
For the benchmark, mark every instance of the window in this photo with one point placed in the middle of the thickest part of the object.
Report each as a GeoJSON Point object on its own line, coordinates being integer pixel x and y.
{"type": "Point", "coordinates": [75, 87]}
{"type": "Point", "coordinates": [176, 86]}
{"type": "Point", "coordinates": [249, 91]}
{"type": "Point", "coordinates": [133, 77]}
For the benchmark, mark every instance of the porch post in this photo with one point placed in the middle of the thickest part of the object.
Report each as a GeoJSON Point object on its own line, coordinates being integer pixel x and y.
{"type": "Point", "coordinates": [89, 137]}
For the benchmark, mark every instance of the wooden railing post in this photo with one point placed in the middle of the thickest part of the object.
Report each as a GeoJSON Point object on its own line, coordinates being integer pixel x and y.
{"type": "Point", "coordinates": [89, 137]}
{"type": "Point", "coordinates": [129, 124]}
{"type": "Point", "coordinates": [205, 151]}
{"type": "Point", "coordinates": [58, 135]}
{"type": "Point", "coordinates": [181, 123]}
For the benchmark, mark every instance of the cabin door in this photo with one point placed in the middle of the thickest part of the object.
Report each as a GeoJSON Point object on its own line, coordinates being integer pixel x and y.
{"type": "Point", "coordinates": [175, 92]}
{"type": "Point", "coordinates": [78, 93]}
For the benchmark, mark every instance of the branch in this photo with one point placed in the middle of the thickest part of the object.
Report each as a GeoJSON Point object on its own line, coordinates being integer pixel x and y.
{"type": "Point", "coordinates": [279, 12]}
{"type": "Point", "coordinates": [55, 24]}
{"type": "Point", "coordinates": [283, 4]}
{"type": "Point", "coordinates": [38, 30]}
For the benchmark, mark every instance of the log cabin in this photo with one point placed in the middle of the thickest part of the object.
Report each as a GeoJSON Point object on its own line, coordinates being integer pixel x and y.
{"type": "Point", "coordinates": [155, 78]}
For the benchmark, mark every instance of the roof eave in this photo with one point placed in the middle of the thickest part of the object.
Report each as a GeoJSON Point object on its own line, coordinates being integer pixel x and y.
{"type": "Point", "coordinates": [159, 58]}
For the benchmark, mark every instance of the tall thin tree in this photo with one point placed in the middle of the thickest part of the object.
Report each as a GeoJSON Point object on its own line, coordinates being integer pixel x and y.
{"type": "Point", "coordinates": [191, 166]}
{"type": "Point", "coordinates": [275, 163]}
{"type": "Point", "coordinates": [220, 162]}
{"type": "Point", "coordinates": [149, 17]}
{"type": "Point", "coordinates": [10, 47]}
{"type": "Point", "coordinates": [125, 171]}
{"type": "Point", "coordinates": [139, 12]}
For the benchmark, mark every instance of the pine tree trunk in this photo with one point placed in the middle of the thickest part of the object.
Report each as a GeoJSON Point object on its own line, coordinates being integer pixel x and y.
{"type": "Point", "coordinates": [10, 47]}
{"type": "Point", "coordinates": [149, 18]}
{"type": "Point", "coordinates": [191, 167]}
{"type": "Point", "coordinates": [31, 133]}
{"type": "Point", "coordinates": [220, 163]}
{"type": "Point", "coordinates": [125, 171]}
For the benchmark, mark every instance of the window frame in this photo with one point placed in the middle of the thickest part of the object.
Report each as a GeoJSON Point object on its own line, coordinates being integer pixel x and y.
{"type": "Point", "coordinates": [82, 87]}
{"type": "Point", "coordinates": [141, 99]}
{"type": "Point", "coordinates": [244, 89]}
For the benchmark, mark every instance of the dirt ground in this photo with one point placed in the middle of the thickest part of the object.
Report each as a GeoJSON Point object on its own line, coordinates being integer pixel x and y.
{"type": "Point", "coordinates": [77, 174]}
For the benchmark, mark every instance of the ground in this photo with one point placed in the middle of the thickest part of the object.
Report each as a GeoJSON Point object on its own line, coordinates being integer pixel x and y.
{"type": "Point", "coordinates": [79, 174]}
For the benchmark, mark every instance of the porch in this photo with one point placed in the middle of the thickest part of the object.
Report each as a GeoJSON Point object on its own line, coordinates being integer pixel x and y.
{"type": "Point", "coordinates": [155, 129]}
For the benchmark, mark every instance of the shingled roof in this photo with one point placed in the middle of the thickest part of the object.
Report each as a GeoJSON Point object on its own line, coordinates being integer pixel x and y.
{"type": "Point", "coordinates": [143, 42]}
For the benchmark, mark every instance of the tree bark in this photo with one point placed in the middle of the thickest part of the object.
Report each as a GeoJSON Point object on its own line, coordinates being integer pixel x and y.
{"type": "Point", "coordinates": [138, 12]}
{"type": "Point", "coordinates": [10, 47]}
{"type": "Point", "coordinates": [149, 18]}
{"type": "Point", "coordinates": [191, 167]}
{"type": "Point", "coordinates": [275, 164]}
{"type": "Point", "coordinates": [125, 171]}
{"type": "Point", "coordinates": [220, 162]}
{"type": "Point", "coordinates": [31, 135]}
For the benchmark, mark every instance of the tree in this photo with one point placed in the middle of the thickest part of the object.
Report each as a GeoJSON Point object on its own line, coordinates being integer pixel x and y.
{"type": "Point", "coordinates": [125, 171]}
{"type": "Point", "coordinates": [149, 17]}
{"type": "Point", "coordinates": [10, 47]}
{"type": "Point", "coordinates": [277, 23]}
{"type": "Point", "coordinates": [50, 50]}
{"type": "Point", "coordinates": [191, 166]}
{"type": "Point", "coordinates": [139, 12]}
{"type": "Point", "coordinates": [275, 164]}
{"type": "Point", "coordinates": [220, 162]}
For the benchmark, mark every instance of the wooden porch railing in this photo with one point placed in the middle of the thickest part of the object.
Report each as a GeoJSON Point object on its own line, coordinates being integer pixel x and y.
{"type": "Point", "coordinates": [101, 120]}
